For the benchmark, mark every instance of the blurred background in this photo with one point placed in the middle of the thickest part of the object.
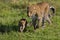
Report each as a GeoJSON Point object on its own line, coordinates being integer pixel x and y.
{"type": "Point", "coordinates": [11, 11]}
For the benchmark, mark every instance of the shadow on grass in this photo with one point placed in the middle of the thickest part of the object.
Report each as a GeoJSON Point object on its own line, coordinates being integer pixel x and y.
{"type": "Point", "coordinates": [8, 28]}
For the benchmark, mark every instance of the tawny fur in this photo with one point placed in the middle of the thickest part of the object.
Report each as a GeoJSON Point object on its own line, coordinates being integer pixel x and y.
{"type": "Point", "coordinates": [41, 10]}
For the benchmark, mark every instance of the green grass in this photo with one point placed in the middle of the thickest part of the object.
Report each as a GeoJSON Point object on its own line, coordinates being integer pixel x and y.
{"type": "Point", "coordinates": [10, 14]}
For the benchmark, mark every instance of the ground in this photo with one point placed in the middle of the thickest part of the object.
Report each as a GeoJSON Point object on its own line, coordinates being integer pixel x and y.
{"type": "Point", "coordinates": [10, 14]}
